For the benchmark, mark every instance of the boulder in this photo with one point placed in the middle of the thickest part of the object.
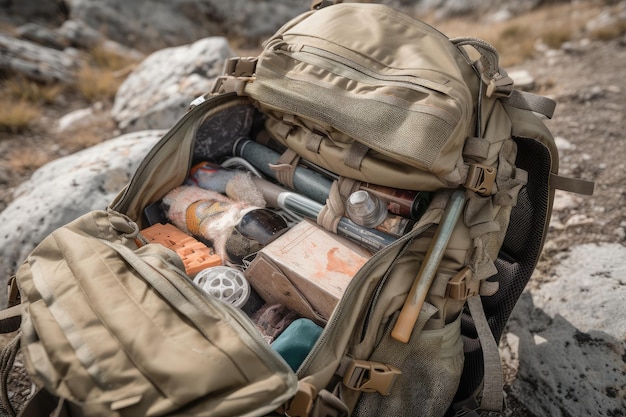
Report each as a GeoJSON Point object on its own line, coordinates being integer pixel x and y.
{"type": "Point", "coordinates": [81, 36]}
{"type": "Point", "coordinates": [158, 92]}
{"type": "Point", "coordinates": [64, 189]}
{"type": "Point", "coordinates": [42, 35]}
{"type": "Point", "coordinates": [50, 56]}
{"type": "Point", "coordinates": [567, 338]}
{"type": "Point", "coordinates": [40, 11]}
{"type": "Point", "coordinates": [149, 25]}
{"type": "Point", "coordinates": [36, 62]}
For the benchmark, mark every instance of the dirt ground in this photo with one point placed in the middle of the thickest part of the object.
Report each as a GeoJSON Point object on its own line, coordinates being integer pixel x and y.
{"type": "Point", "coordinates": [587, 80]}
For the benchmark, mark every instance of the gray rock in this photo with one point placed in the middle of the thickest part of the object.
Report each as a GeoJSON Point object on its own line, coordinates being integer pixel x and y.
{"type": "Point", "coordinates": [567, 338]}
{"type": "Point", "coordinates": [94, 115]}
{"type": "Point", "coordinates": [42, 36]}
{"type": "Point", "coordinates": [40, 11]}
{"type": "Point", "coordinates": [158, 92]}
{"type": "Point", "coordinates": [565, 202]}
{"type": "Point", "coordinates": [450, 8]}
{"type": "Point", "coordinates": [37, 62]}
{"type": "Point", "coordinates": [154, 24]}
{"type": "Point", "coordinates": [64, 189]}
{"type": "Point", "coordinates": [609, 17]}
{"type": "Point", "coordinates": [523, 79]}
{"type": "Point", "coordinates": [80, 35]}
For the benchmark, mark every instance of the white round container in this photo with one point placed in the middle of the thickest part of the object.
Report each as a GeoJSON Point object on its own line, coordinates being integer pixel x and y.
{"type": "Point", "coordinates": [226, 283]}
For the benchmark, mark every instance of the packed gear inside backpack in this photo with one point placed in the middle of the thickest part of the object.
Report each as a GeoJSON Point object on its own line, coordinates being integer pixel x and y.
{"type": "Point", "coordinates": [341, 227]}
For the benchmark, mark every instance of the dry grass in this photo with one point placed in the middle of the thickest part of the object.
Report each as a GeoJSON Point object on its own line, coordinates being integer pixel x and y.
{"type": "Point", "coordinates": [97, 84]}
{"type": "Point", "coordinates": [100, 78]}
{"type": "Point", "coordinates": [21, 162]}
{"type": "Point", "coordinates": [517, 39]}
{"type": "Point", "coordinates": [21, 88]}
{"type": "Point", "coordinates": [106, 59]}
{"type": "Point", "coordinates": [609, 32]}
{"type": "Point", "coordinates": [21, 101]}
{"type": "Point", "coordinates": [17, 115]}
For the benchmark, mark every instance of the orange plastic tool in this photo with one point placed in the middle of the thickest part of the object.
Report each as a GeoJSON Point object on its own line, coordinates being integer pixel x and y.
{"type": "Point", "coordinates": [196, 255]}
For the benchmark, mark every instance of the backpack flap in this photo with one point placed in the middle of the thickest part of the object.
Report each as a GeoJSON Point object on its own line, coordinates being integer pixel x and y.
{"type": "Point", "coordinates": [383, 99]}
{"type": "Point", "coordinates": [121, 331]}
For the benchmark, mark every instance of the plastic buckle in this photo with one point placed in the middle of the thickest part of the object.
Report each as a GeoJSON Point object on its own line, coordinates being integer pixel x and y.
{"type": "Point", "coordinates": [460, 286]}
{"type": "Point", "coordinates": [14, 297]}
{"type": "Point", "coordinates": [466, 408]}
{"type": "Point", "coordinates": [369, 376]}
{"type": "Point", "coordinates": [228, 84]}
{"type": "Point", "coordinates": [301, 404]}
{"type": "Point", "coordinates": [217, 85]}
{"type": "Point", "coordinates": [240, 67]}
{"type": "Point", "coordinates": [501, 85]}
{"type": "Point", "coordinates": [481, 179]}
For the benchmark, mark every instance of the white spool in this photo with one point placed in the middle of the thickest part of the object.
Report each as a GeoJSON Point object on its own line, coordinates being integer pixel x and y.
{"type": "Point", "coordinates": [226, 283]}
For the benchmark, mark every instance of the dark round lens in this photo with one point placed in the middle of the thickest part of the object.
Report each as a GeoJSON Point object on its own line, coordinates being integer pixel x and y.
{"type": "Point", "coordinates": [262, 225]}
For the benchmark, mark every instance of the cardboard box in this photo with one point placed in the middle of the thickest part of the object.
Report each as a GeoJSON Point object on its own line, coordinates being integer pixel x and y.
{"type": "Point", "coordinates": [307, 269]}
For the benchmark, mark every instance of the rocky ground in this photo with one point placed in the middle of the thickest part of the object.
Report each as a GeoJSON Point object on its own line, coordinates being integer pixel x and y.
{"type": "Point", "coordinates": [587, 80]}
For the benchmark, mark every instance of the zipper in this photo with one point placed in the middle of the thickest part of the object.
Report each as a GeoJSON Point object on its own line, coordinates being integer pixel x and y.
{"type": "Point", "coordinates": [345, 67]}
{"type": "Point", "coordinates": [121, 204]}
{"type": "Point", "coordinates": [403, 80]}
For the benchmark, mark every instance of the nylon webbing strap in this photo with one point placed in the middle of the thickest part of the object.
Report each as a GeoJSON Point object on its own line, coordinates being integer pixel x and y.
{"type": "Point", "coordinates": [573, 185]}
{"type": "Point", "coordinates": [285, 167]}
{"type": "Point", "coordinates": [533, 102]}
{"type": "Point", "coordinates": [330, 215]}
{"type": "Point", "coordinates": [476, 148]}
{"type": "Point", "coordinates": [10, 319]}
{"type": "Point", "coordinates": [43, 403]}
{"type": "Point", "coordinates": [354, 156]}
{"type": "Point", "coordinates": [493, 379]}
{"type": "Point", "coordinates": [7, 359]}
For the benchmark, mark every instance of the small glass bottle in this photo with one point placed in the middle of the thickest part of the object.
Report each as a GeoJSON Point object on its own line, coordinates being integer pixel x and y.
{"type": "Point", "coordinates": [366, 209]}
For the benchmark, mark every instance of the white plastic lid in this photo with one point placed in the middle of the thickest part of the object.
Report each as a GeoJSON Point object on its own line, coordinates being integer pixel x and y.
{"type": "Point", "coordinates": [226, 283]}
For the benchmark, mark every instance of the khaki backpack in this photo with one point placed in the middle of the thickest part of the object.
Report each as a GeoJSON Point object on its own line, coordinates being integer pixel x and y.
{"type": "Point", "coordinates": [358, 95]}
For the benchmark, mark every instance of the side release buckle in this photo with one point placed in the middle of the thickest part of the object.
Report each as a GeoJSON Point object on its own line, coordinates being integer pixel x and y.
{"type": "Point", "coordinates": [369, 376]}
{"type": "Point", "coordinates": [237, 72]}
{"type": "Point", "coordinates": [481, 179]}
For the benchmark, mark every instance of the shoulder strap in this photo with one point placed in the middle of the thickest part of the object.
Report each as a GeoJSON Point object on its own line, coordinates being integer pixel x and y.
{"type": "Point", "coordinates": [7, 358]}
{"type": "Point", "coordinates": [43, 403]}
{"type": "Point", "coordinates": [10, 319]}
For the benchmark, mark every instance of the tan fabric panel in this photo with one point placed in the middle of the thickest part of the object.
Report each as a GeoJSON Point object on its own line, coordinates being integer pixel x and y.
{"type": "Point", "coordinates": [124, 330]}
{"type": "Point", "coordinates": [388, 81]}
